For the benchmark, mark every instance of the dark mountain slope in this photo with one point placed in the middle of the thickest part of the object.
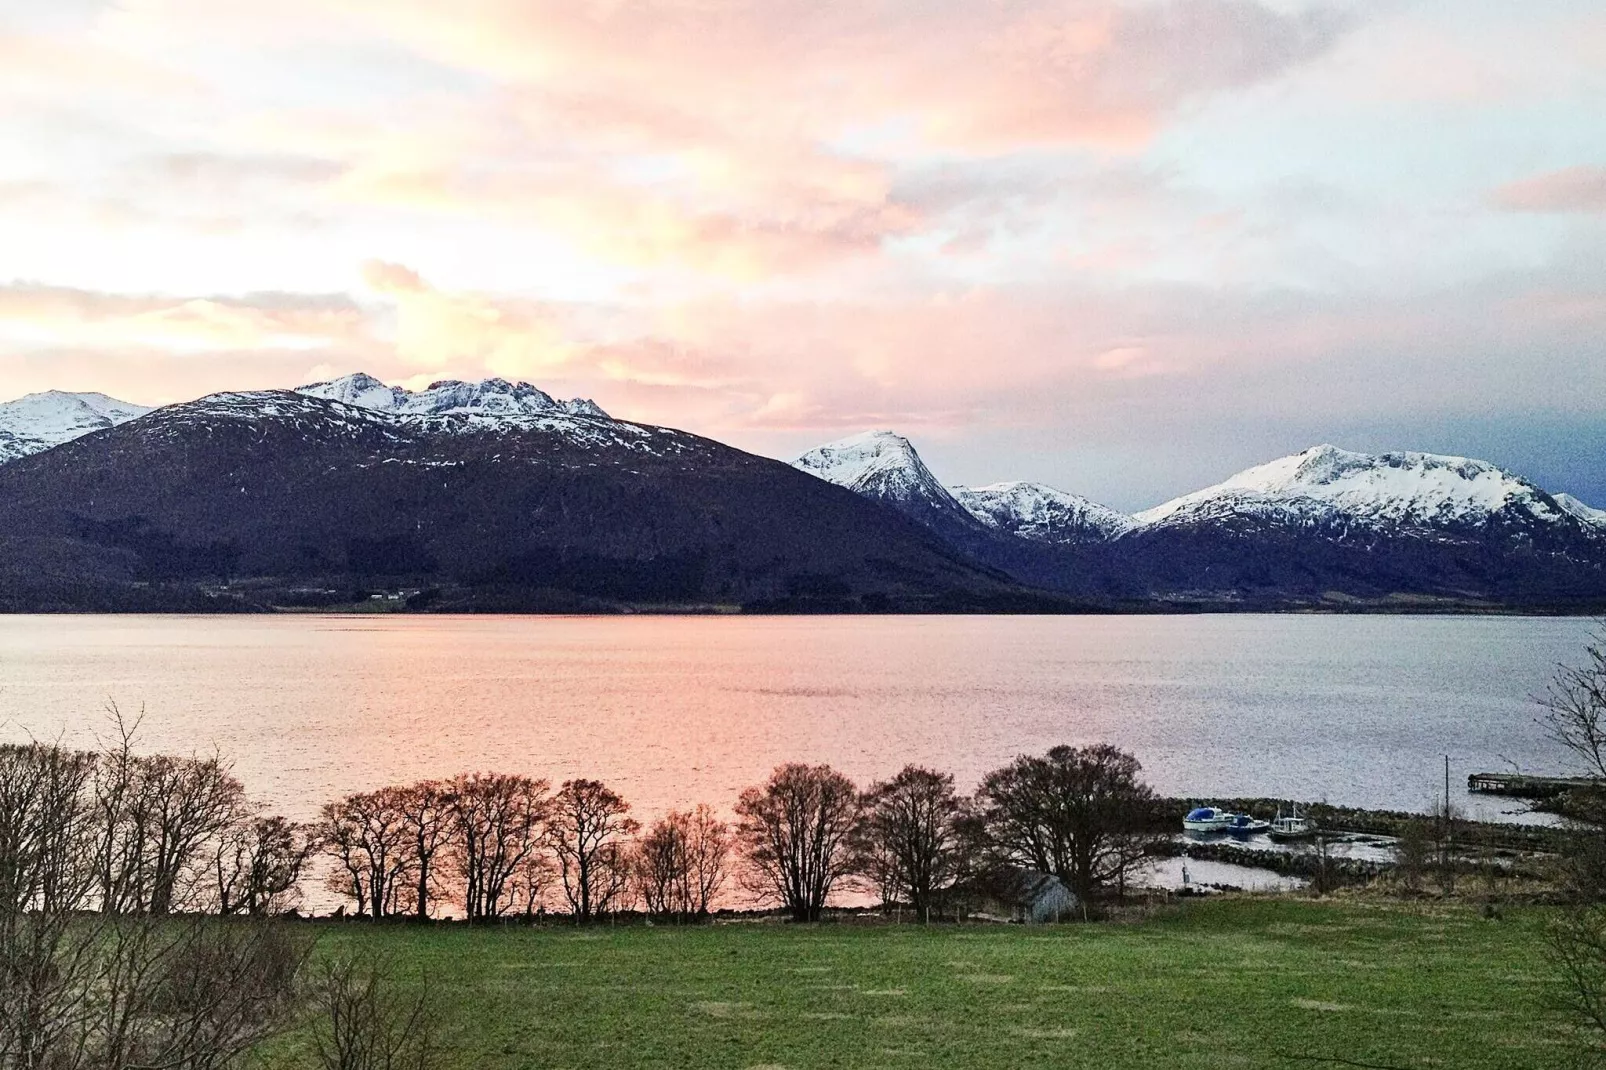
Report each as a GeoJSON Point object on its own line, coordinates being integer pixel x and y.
{"type": "Point", "coordinates": [276, 491]}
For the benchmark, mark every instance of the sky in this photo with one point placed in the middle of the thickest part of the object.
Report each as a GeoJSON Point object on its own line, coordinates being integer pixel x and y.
{"type": "Point", "coordinates": [1124, 247]}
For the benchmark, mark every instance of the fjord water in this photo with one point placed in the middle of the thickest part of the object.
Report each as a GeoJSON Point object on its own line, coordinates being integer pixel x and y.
{"type": "Point", "coordinates": [1355, 710]}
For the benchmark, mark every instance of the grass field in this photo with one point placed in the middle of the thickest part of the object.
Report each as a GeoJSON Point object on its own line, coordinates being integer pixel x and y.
{"type": "Point", "coordinates": [1244, 983]}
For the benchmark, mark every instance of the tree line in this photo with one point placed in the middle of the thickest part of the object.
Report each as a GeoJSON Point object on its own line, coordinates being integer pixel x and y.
{"type": "Point", "coordinates": [503, 845]}
{"type": "Point", "coordinates": [131, 835]}
{"type": "Point", "coordinates": [139, 894]}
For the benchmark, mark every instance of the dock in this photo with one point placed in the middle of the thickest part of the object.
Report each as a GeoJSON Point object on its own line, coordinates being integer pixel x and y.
{"type": "Point", "coordinates": [1530, 787]}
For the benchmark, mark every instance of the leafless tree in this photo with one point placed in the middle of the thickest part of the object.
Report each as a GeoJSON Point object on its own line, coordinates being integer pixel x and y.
{"type": "Point", "coordinates": [367, 836]}
{"type": "Point", "coordinates": [366, 1021]}
{"type": "Point", "coordinates": [426, 811]}
{"type": "Point", "coordinates": [196, 992]}
{"type": "Point", "coordinates": [681, 863]}
{"type": "Point", "coordinates": [591, 828]}
{"type": "Point", "coordinates": [795, 833]}
{"type": "Point", "coordinates": [498, 831]}
{"type": "Point", "coordinates": [85, 988]}
{"type": "Point", "coordinates": [530, 883]}
{"type": "Point", "coordinates": [258, 864]}
{"type": "Point", "coordinates": [47, 879]}
{"type": "Point", "coordinates": [159, 819]}
{"type": "Point", "coordinates": [1573, 711]}
{"type": "Point", "coordinates": [1081, 814]}
{"type": "Point", "coordinates": [911, 843]}
{"type": "Point", "coordinates": [1573, 708]}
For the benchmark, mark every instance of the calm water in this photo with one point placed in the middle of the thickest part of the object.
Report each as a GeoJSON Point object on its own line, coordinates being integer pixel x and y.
{"type": "Point", "coordinates": [1355, 710]}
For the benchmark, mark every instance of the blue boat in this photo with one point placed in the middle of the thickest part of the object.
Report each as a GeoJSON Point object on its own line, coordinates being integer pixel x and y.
{"type": "Point", "coordinates": [1244, 825]}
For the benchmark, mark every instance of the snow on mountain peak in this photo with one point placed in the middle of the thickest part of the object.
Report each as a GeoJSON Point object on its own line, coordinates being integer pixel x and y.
{"type": "Point", "coordinates": [1327, 484]}
{"type": "Point", "coordinates": [492, 397]}
{"type": "Point", "coordinates": [884, 466]}
{"type": "Point", "coordinates": [857, 460]}
{"type": "Point", "coordinates": [1587, 513]}
{"type": "Point", "coordinates": [1043, 514]}
{"type": "Point", "coordinates": [42, 421]}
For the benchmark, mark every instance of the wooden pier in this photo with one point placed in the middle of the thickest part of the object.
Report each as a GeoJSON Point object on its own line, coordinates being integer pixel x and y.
{"type": "Point", "coordinates": [1530, 787]}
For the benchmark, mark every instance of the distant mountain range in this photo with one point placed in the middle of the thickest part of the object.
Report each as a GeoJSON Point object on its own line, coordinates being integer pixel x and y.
{"type": "Point", "coordinates": [1326, 527]}
{"type": "Point", "coordinates": [497, 496]}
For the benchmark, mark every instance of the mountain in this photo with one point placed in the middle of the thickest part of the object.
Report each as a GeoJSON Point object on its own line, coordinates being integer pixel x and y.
{"type": "Point", "coordinates": [1587, 513]}
{"type": "Point", "coordinates": [884, 467]}
{"type": "Point", "coordinates": [40, 422]}
{"type": "Point", "coordinates": [493, 398]}
{"type": "Point", "coordinates": [280, 497]}
{"type": "Point", "coordinates": [1042, 514]}
{"type": "Point", "coordinates": [1322, 527]}
{"type": "Point", "coordinates": [1329, 525]}
{"type": "Point", "coordinates": [1333, 490]}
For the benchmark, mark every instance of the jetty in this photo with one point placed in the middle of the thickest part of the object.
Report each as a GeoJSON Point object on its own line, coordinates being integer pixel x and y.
{"type": "Point", "coordinates": [1530, 787]}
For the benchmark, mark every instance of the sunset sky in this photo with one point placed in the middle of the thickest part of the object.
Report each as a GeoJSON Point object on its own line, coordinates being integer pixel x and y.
{"type": "Point", "coordinates": [1124, 247]}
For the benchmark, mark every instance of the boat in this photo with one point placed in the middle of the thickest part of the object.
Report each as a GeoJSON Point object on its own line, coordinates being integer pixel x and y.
{"type": "Point", "coordinates": [1292, 828]}
{"type": "Point", "coordinates": [1245, 825]}
{"type": "Point", "coordinates": [1206, 819]}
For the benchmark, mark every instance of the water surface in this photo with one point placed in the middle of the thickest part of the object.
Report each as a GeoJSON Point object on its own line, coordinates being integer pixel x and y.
{"type": "Point", "coordinates": [674, 711]}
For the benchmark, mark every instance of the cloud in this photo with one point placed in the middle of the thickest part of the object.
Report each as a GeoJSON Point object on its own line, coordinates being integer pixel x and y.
{"type": "Point", "coordinates": [435, 329]}
{"type": "Point", "coordinates": [1576, 189]}
{"type": "Point", "coordinates": [34, 315]}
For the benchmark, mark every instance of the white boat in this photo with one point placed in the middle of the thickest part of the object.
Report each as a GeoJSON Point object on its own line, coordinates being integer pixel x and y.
{"type": "Point", "coordinates": [1206, 819]}
{"type": "Point", "coordinates": [1291, 828]}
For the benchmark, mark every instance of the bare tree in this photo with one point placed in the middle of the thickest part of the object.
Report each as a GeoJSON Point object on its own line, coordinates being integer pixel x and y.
{"type": "Point", "coordinates": [911, 843]}
{"type": "Point", "coordinates": [591, 827]}
{"type": "Point", "coordinates": [498, 829]}
{"type": "Point", "coordinates": [195, 992]}
{"type": "Point", "coordinates": [1574, 708]}
{"type": "Point", "coordinates": [258, 864]}
{"type": "Point", "coordinates": [1574, 714]}
{"type": "Point", "coordinates": [48, 953]}
{"type": "Point", "coordinates": [530, 882]}
{"type": "Point", "coordinates": [159, 818]}
{"type": "Point", "coordinates": [83, 988]}
{"type": "Point", "coordinates": [426, 812]}
{"type": "Point", "coordinates": [1081, 814]}
{"type": "Point", "coordinates": [794, 832]}
{"type": "Point", "coordinates": [681, 863]}
{"type": "Point", "coordinates": [367, 835]}
{"type": "Point", "coordinates": [367, 1022]}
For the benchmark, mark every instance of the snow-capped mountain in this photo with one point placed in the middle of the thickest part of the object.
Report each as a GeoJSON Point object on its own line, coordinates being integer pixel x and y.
{"type": "Point", "coordinates": [1587, 513]}
{"type": "Point", "coordinates": [884, 467]}
{"type": "Point", "coordinates": [1043, 514]}
{"type": "Point", "coordinates": [268, 498]}
{"type": "Point", "coordinates": [446, 410]}
{"type": "Point", "coordinates": [39, 422]}
{"type": "Point", "coordinates": [1333, 489]}
{"type": "Point", "coordinates": [492, 397]}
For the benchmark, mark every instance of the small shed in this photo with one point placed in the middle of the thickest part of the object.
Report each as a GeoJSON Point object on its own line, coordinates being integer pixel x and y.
{"type": "Point", "coordinates": [1026, 896]}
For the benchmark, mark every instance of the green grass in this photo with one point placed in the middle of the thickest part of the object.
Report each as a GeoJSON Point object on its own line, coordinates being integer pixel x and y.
{"type": "Point", "coordinates": [1238, 983]}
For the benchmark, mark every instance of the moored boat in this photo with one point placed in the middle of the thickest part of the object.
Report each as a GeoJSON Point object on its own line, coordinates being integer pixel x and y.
{"type": "Point", "coordinates": [1292, 828]}
{"type": "Point", "coordinates": [1206, 819]}
{"type": "Point", "coordinates": [1245, 825]}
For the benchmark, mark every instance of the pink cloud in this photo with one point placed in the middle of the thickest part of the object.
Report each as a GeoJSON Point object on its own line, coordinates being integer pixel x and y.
{"type": "Point", "coordinates": [1576, 189]}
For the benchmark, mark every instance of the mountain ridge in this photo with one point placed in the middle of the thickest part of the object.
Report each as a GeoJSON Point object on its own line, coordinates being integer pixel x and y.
{"type": "Point", "coordinates": [500, 494]}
